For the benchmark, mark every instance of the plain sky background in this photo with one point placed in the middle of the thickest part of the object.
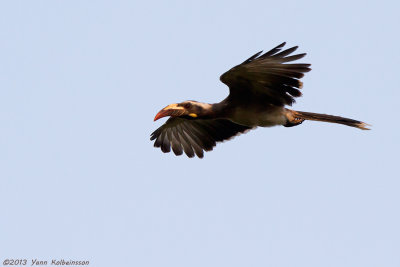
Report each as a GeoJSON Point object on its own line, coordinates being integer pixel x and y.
{"type": "Point", "coordinates": [80, 84]}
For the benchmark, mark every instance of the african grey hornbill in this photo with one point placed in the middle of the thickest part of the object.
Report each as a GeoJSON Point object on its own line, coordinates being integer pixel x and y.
{"type": "Point", "coordinates": [259, 89]}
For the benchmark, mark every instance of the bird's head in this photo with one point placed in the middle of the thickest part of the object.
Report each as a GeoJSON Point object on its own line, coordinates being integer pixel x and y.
{"type": "Point", "coordinates": [191, 108]}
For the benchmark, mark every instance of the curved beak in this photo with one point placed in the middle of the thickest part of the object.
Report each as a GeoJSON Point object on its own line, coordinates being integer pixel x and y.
{"type": "Point", "coordinates": [171, 110]}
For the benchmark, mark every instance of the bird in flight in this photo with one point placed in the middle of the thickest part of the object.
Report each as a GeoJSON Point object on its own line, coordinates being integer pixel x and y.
{"type": "Point", "coordinates": [259, 90]}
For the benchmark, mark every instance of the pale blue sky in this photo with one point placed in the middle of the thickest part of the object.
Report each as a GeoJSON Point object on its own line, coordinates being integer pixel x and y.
{"type": "Point", "coordinates": [81, 81]}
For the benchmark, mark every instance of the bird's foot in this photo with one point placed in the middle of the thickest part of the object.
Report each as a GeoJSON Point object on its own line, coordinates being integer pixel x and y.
{"type": "Point", "coordinates": [293, 121]}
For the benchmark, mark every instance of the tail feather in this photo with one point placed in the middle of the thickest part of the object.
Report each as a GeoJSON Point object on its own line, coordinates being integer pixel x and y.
{"type": "Point", "coordinates": [330, 118]}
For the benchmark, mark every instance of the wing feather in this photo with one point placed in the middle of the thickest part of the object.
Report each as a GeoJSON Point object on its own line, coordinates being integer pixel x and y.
{"type": "Point", "coordinates": [197, 148]}
{"type": "Point", "coordinates": [185, 142]}
{"type": "Point", "coordinates": [285, 52]}
{"type": "Point", "coordinates": [273, 50]}
{"type": "Point", "coordinates": [176, 142]}
{"type": "Point", "coordinates": [165, 145]}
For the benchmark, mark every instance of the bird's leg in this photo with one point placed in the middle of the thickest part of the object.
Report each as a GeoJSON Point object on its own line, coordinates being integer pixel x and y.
{"type": "Point", "coordinates": [292, 120]}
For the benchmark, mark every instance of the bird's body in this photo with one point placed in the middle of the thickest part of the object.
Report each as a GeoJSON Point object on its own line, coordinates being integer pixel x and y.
{"type": "Point", "coordinates": [260, 88]}
{"type": "Point", "coordinates": [263, 116]}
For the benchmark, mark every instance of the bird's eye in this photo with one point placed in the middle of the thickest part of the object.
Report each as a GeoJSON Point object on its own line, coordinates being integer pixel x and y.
{"type": "Point", "coordinates": [187, 105]}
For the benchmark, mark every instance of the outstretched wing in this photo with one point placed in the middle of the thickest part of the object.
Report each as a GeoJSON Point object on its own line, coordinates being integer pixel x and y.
{"type": "Point", "coordinates": [267, 76]}
{"type": "Point", "coordinates": [192, 136]}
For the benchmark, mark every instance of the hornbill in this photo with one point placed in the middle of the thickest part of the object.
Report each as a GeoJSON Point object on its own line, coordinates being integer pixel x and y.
{"type": "Point", "coordinates": [259, 89]}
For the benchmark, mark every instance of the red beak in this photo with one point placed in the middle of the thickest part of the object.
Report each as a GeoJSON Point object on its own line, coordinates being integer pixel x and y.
{"type": "Point", "coordinates": [171, 110]}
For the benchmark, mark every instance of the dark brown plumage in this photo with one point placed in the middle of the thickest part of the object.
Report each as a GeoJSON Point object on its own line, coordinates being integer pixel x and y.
{"type": "Point", "coordinates": [266, 76]}
{"type": "Point", "coordinates": [259, 88]}
{"type": "Point", "coordinates": [194, 135]}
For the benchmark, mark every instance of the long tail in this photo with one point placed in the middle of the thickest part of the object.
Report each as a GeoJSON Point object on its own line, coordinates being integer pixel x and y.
{"type": "Point", "coordinates": [300, 115]}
